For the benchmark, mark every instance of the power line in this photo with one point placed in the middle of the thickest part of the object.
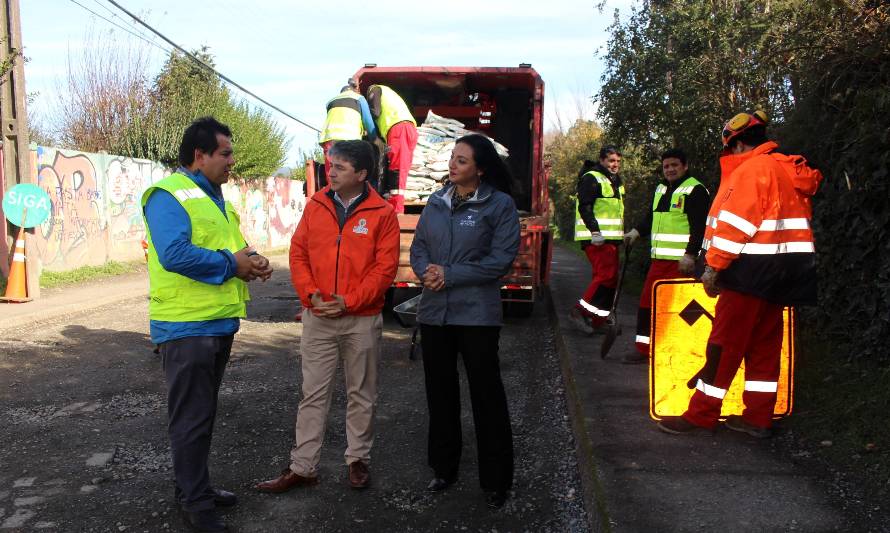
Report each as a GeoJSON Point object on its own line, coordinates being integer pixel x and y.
{"type": "Point", "coordinates": [208, 67]}
{"type": "Point", "coordinates": [134, 34]}
{"type": "Point", "coordinates": [128, 24]}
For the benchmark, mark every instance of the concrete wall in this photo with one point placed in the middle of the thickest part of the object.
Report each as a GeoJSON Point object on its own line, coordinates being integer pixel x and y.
{"type": "Point", "coordinates": [96, 214]}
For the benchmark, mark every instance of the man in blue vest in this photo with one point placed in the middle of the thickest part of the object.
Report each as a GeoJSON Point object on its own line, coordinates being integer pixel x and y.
{"type": "Point", "coordinates": [198, 264]}
{"type": "Point", "coordinates": [676, 224]}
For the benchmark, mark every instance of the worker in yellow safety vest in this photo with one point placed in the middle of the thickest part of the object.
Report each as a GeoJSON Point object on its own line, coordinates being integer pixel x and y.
{"type": "Point", "coordinates": [348, 119]}
{"type": "Point", "coordinates": [676, 227]}
{"type": "Point", "coordinates": [397, 125]}
{"type": "Point", "coordinates": [599, 227]}
{"type": "Point", "coordinates": [198, 266]}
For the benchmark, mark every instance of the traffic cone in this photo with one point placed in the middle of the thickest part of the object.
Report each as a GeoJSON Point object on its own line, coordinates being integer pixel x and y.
{"type": "Point", "coordinates": [16, 284]}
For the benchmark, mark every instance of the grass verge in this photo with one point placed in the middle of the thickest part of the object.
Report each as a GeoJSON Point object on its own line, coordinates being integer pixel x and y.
{"type": "Point", "coordinates": [840, 414]}
{"type": "Point", "coordinates": [49, 280]}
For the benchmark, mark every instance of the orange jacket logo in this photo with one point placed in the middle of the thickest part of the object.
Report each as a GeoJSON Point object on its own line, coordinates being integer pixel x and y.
{"type": "Point", "coordinates": [361, 228]}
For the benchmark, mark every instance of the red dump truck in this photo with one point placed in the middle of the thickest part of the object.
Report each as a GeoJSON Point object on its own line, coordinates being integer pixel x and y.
{"type": "Point", "coordinates": [507, 104]}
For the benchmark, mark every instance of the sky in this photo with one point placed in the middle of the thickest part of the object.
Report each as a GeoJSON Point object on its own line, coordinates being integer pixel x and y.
{"type": "Point", "coordinates": [297, 55]}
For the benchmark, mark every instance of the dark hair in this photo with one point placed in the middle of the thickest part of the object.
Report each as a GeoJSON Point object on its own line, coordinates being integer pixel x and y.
{"type": "Point", "coordinates": [753, 136]}
{"type": "Point", "coordinates": [608, 150]}
{"type": "Point", "coordinates": [201, 135]}
{"type": "Point", "coordinates": [675, 153]}
{"type": "Point", "coordinates": [494, 170]}
{"type": "Point", "coordinates": [345, 88]}
{"type": "Point", "coordinates": [586, 167]}
{"type": "Point", "coordinates": [360, 154]}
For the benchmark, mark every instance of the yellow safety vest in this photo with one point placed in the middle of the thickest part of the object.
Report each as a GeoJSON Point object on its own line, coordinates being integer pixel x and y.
{"type": "Point", "coordinates": [177, 298]}
{"type": "Point", "coordinates": [670, 229]}
{"type": "Point", "coordinates": [608, 209]}
{"type": "Point", "coordinates": [392, 110]}
{"type": "Point", "coordinates": [344, 119]}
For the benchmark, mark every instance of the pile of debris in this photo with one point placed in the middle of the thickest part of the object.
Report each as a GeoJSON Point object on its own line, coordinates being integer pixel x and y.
{"type": "Point", "coordinates": [429, 168]}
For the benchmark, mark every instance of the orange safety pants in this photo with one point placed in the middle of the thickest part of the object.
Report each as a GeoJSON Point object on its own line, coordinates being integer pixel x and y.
{"type": "Point", "coordinates": [596, 302]}
{"type": "Point", "coordinates": [401, 139]}
{"type": "Point", "coordinates": [745, 328]}
{"type": "Point", "coordinates": [659, 269]}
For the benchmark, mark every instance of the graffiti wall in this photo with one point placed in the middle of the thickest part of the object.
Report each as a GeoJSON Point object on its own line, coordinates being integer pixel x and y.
{"type": "Point", "coordinates": [269, 209]}
{"type": "Point", "coordinates": [96, 213]}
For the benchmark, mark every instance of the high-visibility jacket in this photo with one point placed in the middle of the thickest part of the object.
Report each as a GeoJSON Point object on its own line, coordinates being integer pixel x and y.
{"type": "Point", "coordinates": [178, 298]}
{"type": "Point", "coordinates": [608, 210]}
{"type": "Point", "coordinates": [392, 110]}
{"type": "Point", "coordinates": [759, 234]}
{"type": "Point", "coordinates": [670, 229]}
{"type": "Point", "coordinates": [344, 119]}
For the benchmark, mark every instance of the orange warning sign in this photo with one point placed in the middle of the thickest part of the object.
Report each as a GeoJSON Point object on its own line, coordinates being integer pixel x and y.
{"type": "Point", "coordinates": [681, 322]}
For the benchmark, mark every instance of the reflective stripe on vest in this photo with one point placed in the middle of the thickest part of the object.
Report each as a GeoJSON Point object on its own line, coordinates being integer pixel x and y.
{"type": "Point", "coordinates": [754, 248]}
{"type": "Point", "coordinates": [392, 110]}
{"type": "Point", "coordinates": [177, 298]}
{"type": "Point", "coordinates": [344, 119]}
{"type": "Point", "coordinates": [608, 210]}
{"type": "Point", "coordinates": [670, 229]}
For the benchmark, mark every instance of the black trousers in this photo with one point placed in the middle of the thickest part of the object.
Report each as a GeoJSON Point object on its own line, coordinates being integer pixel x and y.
{"type": "Point", "coordinates": [478, 347]}
{"type": "Point", "coordinates": [194, 369]}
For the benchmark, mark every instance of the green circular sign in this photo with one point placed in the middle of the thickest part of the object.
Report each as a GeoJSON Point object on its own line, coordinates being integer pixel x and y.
{"type": "Point", "coordinates": [26, 201]}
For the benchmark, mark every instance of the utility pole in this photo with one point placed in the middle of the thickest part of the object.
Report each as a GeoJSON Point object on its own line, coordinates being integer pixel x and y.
{"type": "Point", "coordinates": [14, 125]}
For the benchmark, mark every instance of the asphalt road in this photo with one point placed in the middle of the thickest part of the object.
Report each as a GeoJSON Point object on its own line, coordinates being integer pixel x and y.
{"type": "Point", "coordinates": [84, 445]}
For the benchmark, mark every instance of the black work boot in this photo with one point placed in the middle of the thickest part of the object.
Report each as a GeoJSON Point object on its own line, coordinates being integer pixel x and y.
{"type": "Point", "coordinates": [206, 520]}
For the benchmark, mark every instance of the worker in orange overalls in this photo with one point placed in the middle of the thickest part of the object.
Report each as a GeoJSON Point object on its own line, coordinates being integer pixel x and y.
{"type": "Point", "coordinates": [760, 258]}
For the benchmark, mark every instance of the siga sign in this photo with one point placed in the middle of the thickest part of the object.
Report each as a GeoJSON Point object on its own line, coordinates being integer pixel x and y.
{"type": "Point", "coordinates": [27, 201]}
{"type": "Point", "coordinates": [682, 314]}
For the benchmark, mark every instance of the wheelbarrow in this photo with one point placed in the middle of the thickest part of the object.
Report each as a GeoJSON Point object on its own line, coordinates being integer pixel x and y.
{"type": "Point", "coordinates": [406, 315]}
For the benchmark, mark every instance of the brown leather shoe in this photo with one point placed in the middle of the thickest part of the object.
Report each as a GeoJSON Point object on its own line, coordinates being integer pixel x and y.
{"type": "Point", "coordinates": [286, 481]}
{"type": "Point", "coordinates": [359, 477]}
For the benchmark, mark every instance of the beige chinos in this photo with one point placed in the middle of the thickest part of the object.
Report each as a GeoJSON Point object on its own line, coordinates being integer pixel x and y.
{"type": "Point", "coordinates": [356, 340]}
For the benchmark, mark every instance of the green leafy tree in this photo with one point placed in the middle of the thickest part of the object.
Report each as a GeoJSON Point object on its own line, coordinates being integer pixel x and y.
{"type": "Point", "coordinates": [184, 91]}
{"type": "Point", "coordinates": [260, 144]}
{"type": "Point", "coordinates": [675, 71]}
{"type": "Point", "coordinates": [181, 92]}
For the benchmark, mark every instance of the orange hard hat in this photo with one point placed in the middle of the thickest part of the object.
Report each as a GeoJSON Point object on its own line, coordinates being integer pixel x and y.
{"type": "Point", "coordinates": [742, 122]}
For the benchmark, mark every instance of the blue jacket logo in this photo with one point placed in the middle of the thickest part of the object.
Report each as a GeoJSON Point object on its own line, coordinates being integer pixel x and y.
{"type": "Point", "coordinates": [361, 228]}
{"type": "Point", "coordinates": [467, 221]}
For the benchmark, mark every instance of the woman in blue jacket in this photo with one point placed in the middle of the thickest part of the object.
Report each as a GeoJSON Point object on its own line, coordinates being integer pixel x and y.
{"type": "Point", "coordinates": [466, 240]}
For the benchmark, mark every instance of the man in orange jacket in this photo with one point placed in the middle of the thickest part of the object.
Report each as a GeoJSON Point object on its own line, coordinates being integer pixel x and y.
{"type": "Point", "coordinates": [760, 258]}
{"type": "Point", "coordinates": [343, 257]}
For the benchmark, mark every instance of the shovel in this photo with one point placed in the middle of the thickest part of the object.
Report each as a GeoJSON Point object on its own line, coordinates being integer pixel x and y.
{"type": "Point", "coordinates": [613, 328]}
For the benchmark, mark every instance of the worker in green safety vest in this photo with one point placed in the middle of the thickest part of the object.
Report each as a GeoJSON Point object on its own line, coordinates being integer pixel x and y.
{"type": "Point", "coordinates": [599, 226]}
{"type": "Point", "coordinates": [348, 119]}
{"type": "Point", "coordinates": [398, 126]}
{"type": "Point", "coordinates": [198, 266]}
{"type": "Point", "coordinates": [676, 227]}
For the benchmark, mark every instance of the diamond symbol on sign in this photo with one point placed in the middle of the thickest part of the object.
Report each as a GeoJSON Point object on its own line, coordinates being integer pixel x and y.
{"type": "Point", "coordinates": [693, 311]}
